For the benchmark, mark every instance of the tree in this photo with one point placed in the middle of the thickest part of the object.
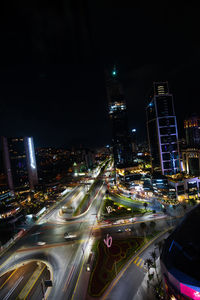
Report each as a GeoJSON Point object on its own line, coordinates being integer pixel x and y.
{"type": "Point", "coordinates": [145, 205]}
{"type": "Point", "coordinates": [154, 256]}
{"type": "Point", "coordinates": [159, 245]}
{"type": "Point", "coordinates": [149, 263]}
{"type": "Point", "coordinates": [184, 207]}
{"type": "Point", "coordinates": [143, 227]}
{"type": "Point", "coordinates": [152, 225]}
{"type": "Point", "coordinates": [192, 201]}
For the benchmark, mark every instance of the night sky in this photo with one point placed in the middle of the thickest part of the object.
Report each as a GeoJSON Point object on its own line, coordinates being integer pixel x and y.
{"type": "Point", "coordinates": [54, 55]}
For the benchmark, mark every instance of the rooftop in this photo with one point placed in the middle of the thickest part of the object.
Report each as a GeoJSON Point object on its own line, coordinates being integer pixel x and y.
{"type": "Point", "coordinates": [181, 252]}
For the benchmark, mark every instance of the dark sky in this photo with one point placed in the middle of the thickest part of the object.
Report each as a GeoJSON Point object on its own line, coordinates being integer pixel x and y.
{"type": "Point", "coordinates": [53, 55]}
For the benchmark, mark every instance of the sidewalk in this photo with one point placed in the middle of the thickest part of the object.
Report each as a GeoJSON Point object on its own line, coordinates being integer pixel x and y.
{"type": "Point", "coordinates": [146, 292]}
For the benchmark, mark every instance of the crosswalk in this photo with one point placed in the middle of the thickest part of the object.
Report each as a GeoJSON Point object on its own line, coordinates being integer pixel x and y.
{"type": "Point", "coordinates": [140, 263]}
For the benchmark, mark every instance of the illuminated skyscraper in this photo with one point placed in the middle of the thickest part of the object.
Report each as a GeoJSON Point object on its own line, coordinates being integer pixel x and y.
{"type": "Point", "coordinates": [20, 163]}
{"type": "Point", "coordinates": [162, 130]}
{"type": "Point", "coordinates": [121, 140]}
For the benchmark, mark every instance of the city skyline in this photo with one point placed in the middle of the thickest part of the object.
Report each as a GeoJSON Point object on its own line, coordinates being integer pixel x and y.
{"type": "Point", "coordinates": [53, 88]}
{"type": "Point", "coordinates": [100, 150]}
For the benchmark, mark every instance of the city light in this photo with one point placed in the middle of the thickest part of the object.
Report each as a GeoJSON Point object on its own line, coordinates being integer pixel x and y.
{"type": "Point", "coordinates": [114, 73]}
{"type": "Point", "coordinates": [31, 151]}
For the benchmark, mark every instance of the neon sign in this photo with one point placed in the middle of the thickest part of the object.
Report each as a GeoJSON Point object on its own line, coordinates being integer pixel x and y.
{"type": "Point", "coordinates": [197, 294]}
{"type": "Point", "coordinates": [32, 159]}
{"type": "Point", "coordinates": [109, 209]}
{"type": "Point", "coordinates": [108, 241]}
{"type": "Point", "coordinates": [190, 291]}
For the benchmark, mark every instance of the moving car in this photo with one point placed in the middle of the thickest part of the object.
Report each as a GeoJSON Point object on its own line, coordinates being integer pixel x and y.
{"type": "Point", "coordinates": [68, 236]}
{"type": "Point", "coordinates": [41, 243]}
{"type": "Point", "coordinates": [128, 229]}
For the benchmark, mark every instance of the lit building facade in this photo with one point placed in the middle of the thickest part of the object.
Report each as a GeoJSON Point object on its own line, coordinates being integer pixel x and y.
{"type": "Point", "coordinates": [162, 130]}
{"type": "Point", "coordinates": [20, 162]}
{"type": "Point", "coordinates": [191, 161]}
{"type": "Point", "coordinates": [186, 187]}
{"type": "Point", "coordinates": [191, 153]}
{"type": "Point", "coordinates": [180, 259]}
{"type": "Point", "coordinates": [192, 132]}
{"type": "Point", "coordinates": [121, 139]}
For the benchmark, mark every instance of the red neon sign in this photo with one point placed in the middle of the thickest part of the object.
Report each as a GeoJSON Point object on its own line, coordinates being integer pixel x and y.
{"type": "Point", "coordinates": [188, 291]}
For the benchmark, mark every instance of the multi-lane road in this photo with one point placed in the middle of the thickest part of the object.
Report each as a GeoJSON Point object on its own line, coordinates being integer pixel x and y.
{"type": "Point", "coordinates": [64, 246]}
{"type": "Point", "coordinates": [25, 281]}
{"type": "Point", "coordinates": [46, 242]}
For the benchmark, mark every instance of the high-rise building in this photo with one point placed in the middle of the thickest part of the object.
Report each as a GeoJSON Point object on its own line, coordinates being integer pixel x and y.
{"type": "Point", "coordinates": [191, 153]}
{"type": "Point", "coordinates": [121, 140]}
{"type": "Point", "coordinates": [20, 163]}
{"type": "Point", "coordinates": [162, 130]}
{"type": "Point", "coordinates": [192, 131]}
{"type": "Point", "coordinates": [180, 259]}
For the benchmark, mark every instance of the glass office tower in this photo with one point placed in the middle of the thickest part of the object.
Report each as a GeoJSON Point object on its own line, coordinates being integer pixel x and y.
{"type": "Point", "coordinates": [162, 130]}
{"type": "Point", "coordinates": [20, 163]}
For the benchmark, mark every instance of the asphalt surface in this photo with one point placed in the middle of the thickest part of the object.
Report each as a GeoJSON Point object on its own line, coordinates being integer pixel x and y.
{"type": "Point", "coordinates": [66, 258]}
{"type": "Point", "coordinates": [13, 282]}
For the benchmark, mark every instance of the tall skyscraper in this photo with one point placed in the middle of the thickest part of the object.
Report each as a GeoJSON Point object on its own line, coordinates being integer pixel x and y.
{"type": "Point", "coordinates": [121, 140]}
{"type": "Point", "coordinates": [20, 163]}
{"type": "Point", "coordinates": [162, 130]}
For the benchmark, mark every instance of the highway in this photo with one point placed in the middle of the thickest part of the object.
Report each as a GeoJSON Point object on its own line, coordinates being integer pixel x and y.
{"type": "Point", "coordinates": [24, 281]}
{"type": "Point", "coordinates": [45, 241]}
{"type": "Point", "coordinates": [66, 257]}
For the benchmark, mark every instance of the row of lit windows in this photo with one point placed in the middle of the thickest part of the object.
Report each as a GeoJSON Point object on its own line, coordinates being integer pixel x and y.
{"type": "Point", "coordinates": [191, 123]}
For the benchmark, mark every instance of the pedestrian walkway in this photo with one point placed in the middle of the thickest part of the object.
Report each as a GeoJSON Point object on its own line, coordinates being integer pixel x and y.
{"type": "Point", "coordinates": [140, 263]}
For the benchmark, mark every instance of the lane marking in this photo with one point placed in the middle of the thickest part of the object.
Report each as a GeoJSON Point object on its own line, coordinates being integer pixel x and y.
{"type": "Point", "coordinates": [139, 261]}
{"type": "Point", "coordinates": [78, 279]}
{"type": "Point", "coordinates": [13, 288]}
{"type": "Point", "coordinates": [142, 264]}
{"type": "Point", "coordinates": [8, 278]}
{"type": "Point", "coordinates": [69, 278]}
{"type": "Point", "coordinates": [51, 245]}
{"type": "Point", "coordinates": [136, 260]}
{"type": "Point", "coordinates": [5, 262]}
{"type": "Point", "coordinates": [34, 282]}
